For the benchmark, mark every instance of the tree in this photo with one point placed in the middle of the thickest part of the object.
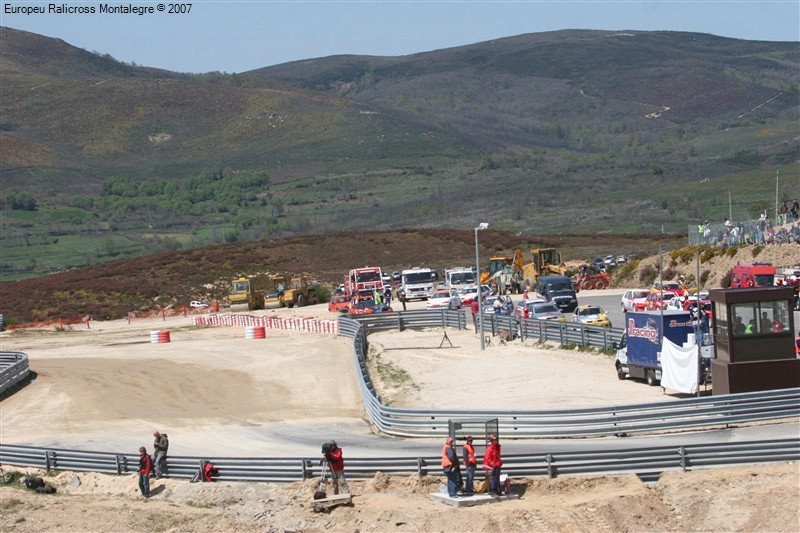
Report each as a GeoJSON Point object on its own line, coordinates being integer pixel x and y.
{"type": "Point", "coordinates": [20, 200]}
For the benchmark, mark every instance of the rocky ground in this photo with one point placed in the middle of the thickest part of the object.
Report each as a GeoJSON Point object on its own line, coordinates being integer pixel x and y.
{"type": "Point", "coordinates": [749, 498]}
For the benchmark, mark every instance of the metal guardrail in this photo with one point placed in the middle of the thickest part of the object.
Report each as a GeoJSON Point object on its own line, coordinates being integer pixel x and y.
{"type": "Point", "coordinates": [711, 411]}
{"type": "Point", "coordinates": [646, 462]}
{"type": "Point", "coordinates": [526, 328]}
{"type": "Point", "coordinates": [13, 369]}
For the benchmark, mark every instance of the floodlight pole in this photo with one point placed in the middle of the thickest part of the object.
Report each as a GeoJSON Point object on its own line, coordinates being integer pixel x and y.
{"type": "Point", "coordinates": [481, 226]}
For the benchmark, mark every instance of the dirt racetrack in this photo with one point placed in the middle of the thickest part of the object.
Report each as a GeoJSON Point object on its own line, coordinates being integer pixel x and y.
{"type": "Point", "coordinates": [217, 393]}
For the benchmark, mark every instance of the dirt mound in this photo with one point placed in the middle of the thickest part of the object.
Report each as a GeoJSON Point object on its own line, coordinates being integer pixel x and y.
{"type": "Point", "coordinates": [748, 498]}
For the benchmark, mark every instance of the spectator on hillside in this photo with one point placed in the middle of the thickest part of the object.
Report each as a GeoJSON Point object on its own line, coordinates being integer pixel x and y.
{"type": "Point", "coordinates": [783, 213]}
{"type": "Point", "coordinates": [795, 209]}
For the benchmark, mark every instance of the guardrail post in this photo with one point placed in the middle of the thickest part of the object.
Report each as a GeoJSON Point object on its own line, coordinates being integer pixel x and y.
{"type": "Point", "coordinates": [551, 469]}
{"type": "Point", "coordinates": [682, 453]}
{"type": "Point", "coordinates": [304, 466]}
{"type": "Point", "coordinates": [562, 333]}
{"type": "Point", "coordinates": [421, 470]}
{"type": "Point", "coordinates": [119, 465]}
{"type": "Point", "coordinates": [47, 460]}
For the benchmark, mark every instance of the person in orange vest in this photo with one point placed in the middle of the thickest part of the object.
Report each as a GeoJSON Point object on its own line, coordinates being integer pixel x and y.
{"type": "Point", "coordinates": [450, 467]}
{"type": "Point", "coordinates": [470, 462]}
{"type": "Point", "coordinates": [493, 462]}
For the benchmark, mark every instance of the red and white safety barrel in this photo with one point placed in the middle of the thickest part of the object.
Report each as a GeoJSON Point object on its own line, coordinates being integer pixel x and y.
{"type": "Point", "coordinates": [255, 332]}
{"type": "Point", "coordinates": [159, 336]}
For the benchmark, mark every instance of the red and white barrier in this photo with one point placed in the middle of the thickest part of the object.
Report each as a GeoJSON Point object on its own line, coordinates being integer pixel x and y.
{"type": "Point", "coordinates": [305, 324]}
{"type": "Point", "coordinates": [255, 332]}
{"type": "Point", "coordinates": [159, 336]}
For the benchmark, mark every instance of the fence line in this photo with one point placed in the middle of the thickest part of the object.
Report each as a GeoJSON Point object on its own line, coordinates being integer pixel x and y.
{"type": "Point", "coordinates": [14, 369]}
{"type": "Point", "coordinates": [714, 411]}
{"type": "Point", "coordinates": [645, 462]}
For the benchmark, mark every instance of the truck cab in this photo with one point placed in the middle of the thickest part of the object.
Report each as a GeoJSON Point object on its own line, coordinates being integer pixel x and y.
{"type": "Point", "coordinates": [417, 284]}
{"type": "Point", "coordinates": [459, 278]}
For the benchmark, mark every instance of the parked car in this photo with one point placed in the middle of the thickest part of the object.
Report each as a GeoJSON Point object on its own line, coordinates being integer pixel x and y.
{"type": "Point", "coordinates": [339, 303]}
{"type": "Point", "coordinates": [488, 305]}
{"type": "Point", "coordinates": [547, 311]}
{"type": "Point", "coordinates": [675, 304]}
{"type": "Point", "coordinates": [366, 307]}
{"type": "Point", "coordinates": [197, 304]}
{"type": "Point", "coordinates": [621, 259]}
{"type": "Point", "coordinates": [610, 261]}
{"type": "Point", "coordinates": [633, 300]}
{"type": "Point", "coordinates": [524, 308]}
{"type": "Point", "coordinates": [668, 286]}
{"type": "Point", "coordinates": [470, 293]}
{"type": "Point", "coordinates": [396, 275]}
{"type": "Point", "coordinates": [444, 299]}
{"type": "Point", "coordinates": [592, 315]}
{"type": "Point", "coordinates": [599, 263]}
{"type": "Point", "coordinates": [654, 301]}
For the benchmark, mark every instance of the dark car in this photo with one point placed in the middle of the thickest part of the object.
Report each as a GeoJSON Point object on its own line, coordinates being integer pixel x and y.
{"type": "Point", "coordinates": [366, 307]}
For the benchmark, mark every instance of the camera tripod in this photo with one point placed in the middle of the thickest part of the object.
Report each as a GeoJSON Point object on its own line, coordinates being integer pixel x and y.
{"type": "Point", "coordinates": [445, 338]}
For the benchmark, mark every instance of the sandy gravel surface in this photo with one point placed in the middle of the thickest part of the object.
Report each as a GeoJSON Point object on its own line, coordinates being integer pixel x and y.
{"type": "Point", "coordinates": [215, 392]}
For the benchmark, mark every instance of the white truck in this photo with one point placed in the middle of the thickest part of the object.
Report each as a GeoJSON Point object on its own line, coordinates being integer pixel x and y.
{"type": "Point", "coordinates": [459, 278]}
{"type": "Point", "coordinates": [416, 283]}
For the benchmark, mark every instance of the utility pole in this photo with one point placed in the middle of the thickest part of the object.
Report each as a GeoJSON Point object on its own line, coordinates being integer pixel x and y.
{"type": "Point", "coordinates": [730, 208]}
{"type": "Point", "coordinates": [777, 175]}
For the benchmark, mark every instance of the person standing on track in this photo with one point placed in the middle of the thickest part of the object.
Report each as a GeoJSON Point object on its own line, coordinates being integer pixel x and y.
{"type": "Point", "coordinates": [160, 446]}
{"type": "Point", "coordinates": [336, 463]}
{"type": "Point", "coordinates": [470, 462]}
{"type": "Point", "coordinates": [475, 308]}
{"type": "Point", "coordinates": [450, 467]}
{"type": "Point", "coordinates": [145, 467]}
{"type": "Point", "coordinates": [493, 462]}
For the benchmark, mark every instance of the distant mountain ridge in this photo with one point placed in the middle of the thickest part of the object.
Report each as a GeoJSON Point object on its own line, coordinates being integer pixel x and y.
{"type": "Point", "coordinates": [572, 131]}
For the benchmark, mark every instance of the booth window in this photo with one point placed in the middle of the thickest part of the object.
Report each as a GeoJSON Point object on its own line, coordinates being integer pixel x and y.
{"type": "Point", "coordinates": [759, 318]}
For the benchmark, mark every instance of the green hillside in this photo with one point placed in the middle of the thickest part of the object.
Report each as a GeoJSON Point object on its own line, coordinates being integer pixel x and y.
{"type": "Point", "coordinates": [542, 134]}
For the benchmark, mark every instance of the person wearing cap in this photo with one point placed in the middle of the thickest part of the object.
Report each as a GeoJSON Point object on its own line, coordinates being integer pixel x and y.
{"type": "Point", "coordinates": [470, 462]}
{"type": "Point", "coordinates": [450, 467]}
{"type": "Point", "coordinates": [492, 462]}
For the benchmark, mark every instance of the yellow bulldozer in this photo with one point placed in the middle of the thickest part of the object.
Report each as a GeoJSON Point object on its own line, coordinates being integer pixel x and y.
{"type": "Point", "coordinates": [296, 292]}
{"type": "Point", "coordinates": [544, 262]}
{"type": "Point", "coordinates": [244, 297]}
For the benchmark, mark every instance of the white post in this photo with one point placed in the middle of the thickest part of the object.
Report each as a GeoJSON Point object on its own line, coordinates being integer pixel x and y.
{"type": "Point", "coordinates": [481, 226]}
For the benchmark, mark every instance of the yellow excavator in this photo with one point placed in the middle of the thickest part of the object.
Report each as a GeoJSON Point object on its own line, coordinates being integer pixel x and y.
{"type": "Point", "coordinates": [506, 272]}
{"type": "Point", "coordinates": [244, 297]}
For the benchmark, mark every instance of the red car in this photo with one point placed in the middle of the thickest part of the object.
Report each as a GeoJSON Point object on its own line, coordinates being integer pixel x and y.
{"type": "Point", "coordinates": [654, 302]}
{"type": "Point", "coordinates": [340, 303]}
{"type": "Point", "coordinates": [669, 286]}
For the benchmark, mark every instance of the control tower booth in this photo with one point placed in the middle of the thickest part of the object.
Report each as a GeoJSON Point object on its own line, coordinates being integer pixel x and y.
{"type": "Point", "coordinates": [753, 340]}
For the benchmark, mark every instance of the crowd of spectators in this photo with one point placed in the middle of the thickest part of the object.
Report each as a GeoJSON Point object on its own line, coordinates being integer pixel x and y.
{"type": "Point", "coordinates": [759, 231]}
